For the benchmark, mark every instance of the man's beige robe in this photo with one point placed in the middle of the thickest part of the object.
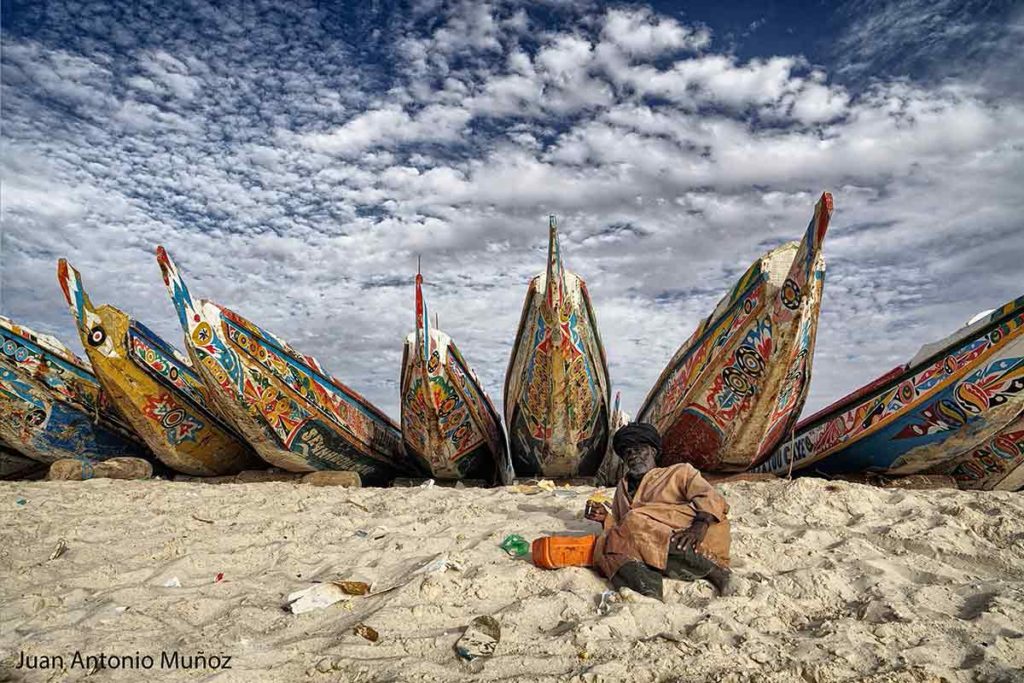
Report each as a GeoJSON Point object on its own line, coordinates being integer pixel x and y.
{"type": "Point", "coordinates": [667, 499]}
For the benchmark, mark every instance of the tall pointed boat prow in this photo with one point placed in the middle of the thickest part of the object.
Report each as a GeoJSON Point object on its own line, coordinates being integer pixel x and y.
{"type": "Point", "coordinates": [734, 389]}
{"type": "Point", "coordinates": [283, 403]}
{"type": "Point", "coordinates": [154, 388]}
{"type": "Point", "coordinates": [556, 388]}
{"type": "Point", "coordinates": [51, 404]}
{"type": "Point", "coordinates": [956, 408]}
{"type": "Point", "coordinates": [449, 424]}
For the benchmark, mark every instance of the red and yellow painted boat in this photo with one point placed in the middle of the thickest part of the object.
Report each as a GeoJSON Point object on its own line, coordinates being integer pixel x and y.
{"type": "Point", "coordinates": [557, 399]}
{"type": "Point", "coordinates": [734, 389]}
{"type": "Point", "coordinates": [154, 388]}
{"type": "Point", "coordinates": [449, 425]}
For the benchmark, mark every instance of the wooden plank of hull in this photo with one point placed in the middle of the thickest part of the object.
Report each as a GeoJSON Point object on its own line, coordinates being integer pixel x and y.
{"type": "Point", "coordinates": [996, 465]}
{"type": "Point", "coordinates": [736, 386]}
{"type": "Point", "coordinates": [449, 425]}
{"type": "Point", "coordinates": [51, 405]}
{"type": "Point", "coordinates": [289, 410]}
{"type": "Point", "coordinates": [157, 393]}
{"type": "Point", "coordinates": [556, 388]}
{"type": "Point", "coordinates": [932, 413]}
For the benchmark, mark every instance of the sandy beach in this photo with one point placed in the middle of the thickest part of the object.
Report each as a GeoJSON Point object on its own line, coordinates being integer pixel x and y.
{"type": "Point", "coordinates": [834, 582]}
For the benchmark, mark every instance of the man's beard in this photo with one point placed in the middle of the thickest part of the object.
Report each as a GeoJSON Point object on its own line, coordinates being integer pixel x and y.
{"type": "Point", "coordinates": [637, 469]}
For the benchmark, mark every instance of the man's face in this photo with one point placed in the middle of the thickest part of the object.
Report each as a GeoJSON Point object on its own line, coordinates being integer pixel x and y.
{"type": "Point", "coordinates": [639, 459]}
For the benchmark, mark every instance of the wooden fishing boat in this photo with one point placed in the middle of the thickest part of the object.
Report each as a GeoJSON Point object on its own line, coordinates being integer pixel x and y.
{"type": "Point", "coordinates": [283, 403]}
{"type": "Point", "coordinates": [449, 425]}
{"type": "Point", "coordinates": [736, 386]}
{"type": "Point", "coordinates": [154, 388]}
{"type": "Point", "coordinates": [955, 408]}
{"type": "Point", "coordinates": [556, 388]}
{"type": "Point", "coordinates": [51, 404]}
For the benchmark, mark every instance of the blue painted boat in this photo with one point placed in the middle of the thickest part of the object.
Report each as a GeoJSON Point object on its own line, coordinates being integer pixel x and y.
{"type": "Point", "coordinates": [51, 405]}
{"type": "Point", "coordinates": [951, 399]}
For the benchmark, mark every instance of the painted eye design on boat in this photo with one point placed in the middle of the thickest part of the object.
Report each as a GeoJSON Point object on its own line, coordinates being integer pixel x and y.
{"type": "Point", "coordinates": [790, 294]}
{"type": "Point", "coordinates": [202, 334]}
{"type": "Point", "coordinates": [737, 381]}
{"type": "Point", "coordinates": [750, 360]}
{"type": "Point", "coordinates": [97, 336]}
{"type": "Point", "coordinates": [173, 417]}
{"type": "Point", "coordinates": [173, 374]}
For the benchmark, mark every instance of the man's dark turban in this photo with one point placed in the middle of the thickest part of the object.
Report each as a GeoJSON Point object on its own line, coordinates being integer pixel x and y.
{"type": "Point", "coordinates": [636, 434]}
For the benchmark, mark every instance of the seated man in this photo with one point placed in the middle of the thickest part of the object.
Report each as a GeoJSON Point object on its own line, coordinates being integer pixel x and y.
{"type": "Point", "coordinates": [664, 521]}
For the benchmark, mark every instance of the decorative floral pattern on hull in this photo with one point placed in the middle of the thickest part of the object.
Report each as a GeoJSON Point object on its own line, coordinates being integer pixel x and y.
{"type": "Point", "coordinates": [734, 389]}
{"type": "Point", "coordinates": [557, 393]}
{"type": "Point", "coordinates": [291, 412]}
{"type": "Point", "coordinates": [955, 412]}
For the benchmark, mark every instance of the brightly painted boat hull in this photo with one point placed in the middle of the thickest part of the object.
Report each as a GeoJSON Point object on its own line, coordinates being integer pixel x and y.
{"type": "Point", "coordinates": [996, 465]}
{"type": "Point", "coordinates": [157, 392]}
{"type": "Point", "coordinates": [289, 410]}
{"type": "Point", "coordinates": [557, 403]}
{"type": "Point", "coordinates": [449, 425]}
{"type": "Point", "coordinates": [926, 417]}
{"type": "Point", "coordinates": [735, 388]}
{"type": "Point", "coordinates": [51, 405]}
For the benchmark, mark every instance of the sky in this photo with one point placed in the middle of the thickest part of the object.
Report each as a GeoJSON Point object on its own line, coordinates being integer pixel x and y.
{"type": "Point", "coordinates": [296, 158]}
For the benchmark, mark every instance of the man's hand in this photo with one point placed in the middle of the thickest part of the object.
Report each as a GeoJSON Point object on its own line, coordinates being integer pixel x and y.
{"type": "Point", "coordinates": [596, 511]}
{"type": "Point", "coordinates": [692, 535]}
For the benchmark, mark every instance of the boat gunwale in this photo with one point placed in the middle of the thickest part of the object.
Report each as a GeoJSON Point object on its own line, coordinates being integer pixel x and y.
{"type": "Point", "coordinates": [906, 371]}
{"type": "Point", "coordinates": [63, 353]}
{"type": "Point", "coordinates": [85, 372]}
{"type": "Point", "coordinates": [671, 369]}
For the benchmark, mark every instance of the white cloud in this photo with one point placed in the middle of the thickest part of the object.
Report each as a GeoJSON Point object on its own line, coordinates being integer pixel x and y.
{"type": "Point", "coordinates": [640, 33]}
{"type": "Point", "coordinates": [391, 125]}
